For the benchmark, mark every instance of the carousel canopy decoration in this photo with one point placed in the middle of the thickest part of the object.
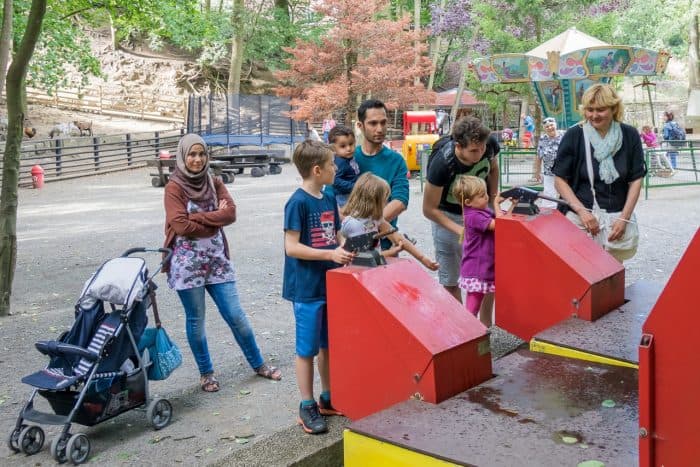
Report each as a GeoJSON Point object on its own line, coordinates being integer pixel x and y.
{"type": "Point", "coordinates": [562, 68]}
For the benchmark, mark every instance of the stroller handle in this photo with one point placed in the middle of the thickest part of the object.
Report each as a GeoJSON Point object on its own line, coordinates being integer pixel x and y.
{"type": "Point", "coordinates": [167, 252]}
{"type": "Point", "coordinates": [139, 249]}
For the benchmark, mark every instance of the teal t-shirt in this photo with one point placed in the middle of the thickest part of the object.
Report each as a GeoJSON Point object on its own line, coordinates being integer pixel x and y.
{"type": "Point", "coordinates": [390, 166]}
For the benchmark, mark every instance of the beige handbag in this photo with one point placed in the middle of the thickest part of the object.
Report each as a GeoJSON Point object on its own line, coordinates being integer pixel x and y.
{"type": "Point", "coordinates": [624, 247]}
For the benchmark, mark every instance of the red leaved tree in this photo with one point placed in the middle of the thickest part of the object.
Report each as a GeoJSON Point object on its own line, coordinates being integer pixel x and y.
{"type": "Point", "coordinates": [362, 55]}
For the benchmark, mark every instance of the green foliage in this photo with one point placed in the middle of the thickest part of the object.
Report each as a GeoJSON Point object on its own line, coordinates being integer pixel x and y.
{"type": "Point", "coordinates": [398, 8]}
{"type": "Point", "coordinates": [274, 31]}
{"type": "Point", "coordinates": [62, 48]}
{"type": "Point", "coordinates": [657, 24]}
{"type": "Point", "coordinates": [187, 27]}
{"type": "Point", "coordinates": [208, 35]}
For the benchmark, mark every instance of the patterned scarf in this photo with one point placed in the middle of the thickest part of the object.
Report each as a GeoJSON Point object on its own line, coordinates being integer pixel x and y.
{"type": "Point", "coordinates": [604, 149]}
{"type": "Point", "coordinates": [198, 186]}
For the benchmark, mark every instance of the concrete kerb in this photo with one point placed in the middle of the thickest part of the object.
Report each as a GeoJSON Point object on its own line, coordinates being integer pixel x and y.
{"type": "Point", "coordinates": [292, 447]}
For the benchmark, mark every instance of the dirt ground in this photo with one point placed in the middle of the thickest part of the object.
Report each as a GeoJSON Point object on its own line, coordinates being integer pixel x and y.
{"type": "Point", "coordinates": [67, 229]}
{"type": "Point", "coordinates": [45, 118]}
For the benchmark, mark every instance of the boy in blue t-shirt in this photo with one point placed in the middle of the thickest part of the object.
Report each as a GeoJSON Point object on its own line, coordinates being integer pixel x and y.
{"type": "Point", "coordinates": [312, 247]}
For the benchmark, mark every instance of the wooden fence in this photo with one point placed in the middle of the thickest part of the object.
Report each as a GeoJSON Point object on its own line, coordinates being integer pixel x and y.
{"type": "Point", "coordinates": [77, 157]}
{"type": "Point", "coordinates": [138, 105]}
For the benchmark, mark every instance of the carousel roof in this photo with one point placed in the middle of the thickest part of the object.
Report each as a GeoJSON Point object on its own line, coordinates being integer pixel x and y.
{"type": "Point", "coordinates": [568, 41]}
{"type": "Point", "coordinates": [447, 98]}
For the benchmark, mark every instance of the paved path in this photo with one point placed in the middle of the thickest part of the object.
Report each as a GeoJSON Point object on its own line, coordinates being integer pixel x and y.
{"type": "Point", "coordinates": [67, 229]}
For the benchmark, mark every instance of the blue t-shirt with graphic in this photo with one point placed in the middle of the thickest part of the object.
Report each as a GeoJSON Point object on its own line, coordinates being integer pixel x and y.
{"type": "Point", "coordinates": [317, 221]}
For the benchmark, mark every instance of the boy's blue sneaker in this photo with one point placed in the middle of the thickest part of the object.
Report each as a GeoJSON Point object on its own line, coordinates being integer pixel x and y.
{"type": "Point", "coordinates": [311, 420]}
{"type": "Point", "coordinates": [326, 408]}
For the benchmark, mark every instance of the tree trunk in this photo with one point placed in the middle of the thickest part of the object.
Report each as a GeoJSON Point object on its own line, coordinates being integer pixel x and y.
{"type": "Point", "coordinates": [437, 45]}
{"type": "Point", "coordinates": [113, 33]}
{"type": "Point", "coordinates": [416, 44]}
{"type": "Point", "coordinates": [10, 168]}
{"type": "Point", "coordinates": [5, 41]}
{"type": "Point", "coordinates": [207, 6]}
{"type": "Point", "coordinates": [237, 48]}
{"type": "Point", "coordinates": [460, 90]}
{"type": "Point", "coordinates": [350, 62]}
{"type": "Point", "coordinates": [694, 51]}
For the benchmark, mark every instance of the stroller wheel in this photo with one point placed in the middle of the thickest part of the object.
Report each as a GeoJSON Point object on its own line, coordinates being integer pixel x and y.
{"type": "Point", "coordinates": [13, 440]}
{"type": "Point", "coordinates": [78, 448]}
{"type": "Point", "coordinates": [58, 447]}
{"type": "Point", "coordinates": [31, 440]}
{"type": "Point", "coordinates": [159, 413]}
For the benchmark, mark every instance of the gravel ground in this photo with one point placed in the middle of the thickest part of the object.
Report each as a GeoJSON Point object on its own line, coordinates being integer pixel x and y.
{"type": "Point", "coordinates": [67, 229]}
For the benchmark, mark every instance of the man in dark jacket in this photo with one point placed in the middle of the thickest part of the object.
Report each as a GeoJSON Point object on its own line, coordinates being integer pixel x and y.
{"type": "Point", "coordinates": [469, 150]}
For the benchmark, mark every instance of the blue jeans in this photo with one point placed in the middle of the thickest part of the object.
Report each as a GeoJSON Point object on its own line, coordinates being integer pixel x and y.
{"type": "Point", "coordinates": [672, 155]}
{"type": "Point", "coordinates": [225, 297]}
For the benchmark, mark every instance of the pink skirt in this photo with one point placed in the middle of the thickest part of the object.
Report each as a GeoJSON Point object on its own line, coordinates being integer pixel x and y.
{"type": "Point", "coordinates": [472, 284]}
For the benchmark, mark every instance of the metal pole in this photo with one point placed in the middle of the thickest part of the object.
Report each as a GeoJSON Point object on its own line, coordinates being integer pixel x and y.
{"type": "Point", "coordinates": [651, 104]}
{"type": "Point", "coordinates": [96, 152]}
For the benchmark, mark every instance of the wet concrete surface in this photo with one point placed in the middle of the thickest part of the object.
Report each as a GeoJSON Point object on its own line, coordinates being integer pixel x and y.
{"type": "Point", "coordinates": [615, 335]}
{"type": "Point", "coordinates": [538, 410]}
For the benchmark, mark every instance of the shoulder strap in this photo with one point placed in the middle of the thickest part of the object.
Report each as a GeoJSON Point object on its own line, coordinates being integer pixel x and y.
{"type": "Point", "coordinates": [589, 166]}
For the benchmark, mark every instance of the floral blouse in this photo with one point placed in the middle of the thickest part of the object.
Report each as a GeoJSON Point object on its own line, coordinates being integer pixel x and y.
{"type": "Point", "coordinates": [197, 262]}
{"type": "Point", "coordinates": [547, 151]}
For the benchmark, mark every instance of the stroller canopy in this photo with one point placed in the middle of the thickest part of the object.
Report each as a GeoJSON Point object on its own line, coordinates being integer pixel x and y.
{"type": "Point", "coordinates": [119, 281]}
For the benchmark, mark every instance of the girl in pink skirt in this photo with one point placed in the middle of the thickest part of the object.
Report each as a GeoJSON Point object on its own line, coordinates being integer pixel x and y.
{"type": "Point", "coordinates": [477, 273]}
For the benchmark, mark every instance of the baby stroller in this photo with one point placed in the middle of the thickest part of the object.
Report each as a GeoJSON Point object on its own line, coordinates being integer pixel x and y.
{"type": "Point", "coordinates": [95, 370]}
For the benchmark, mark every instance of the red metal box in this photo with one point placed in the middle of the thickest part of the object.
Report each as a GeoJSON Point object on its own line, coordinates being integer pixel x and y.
{"type": "Point", "coordinates": [548, 270]}
{"type": "Point", "coordinates": [395, 333]}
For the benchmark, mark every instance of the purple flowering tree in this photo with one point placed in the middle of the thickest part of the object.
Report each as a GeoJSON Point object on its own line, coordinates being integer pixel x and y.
{"type": "Point", "coordinates": [475, 28]}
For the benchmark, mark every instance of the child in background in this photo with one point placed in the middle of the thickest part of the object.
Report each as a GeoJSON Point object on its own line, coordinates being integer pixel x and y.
{"type": "Point", "coordinates": [649, 137]}
{"type": "Point", "coordinates": [342, 140]}
{"type": "Point", "coordinates": [311, 247]}
{"type": "Point", "coordinates": [364, 214]}
{"type": "Point", "coordinates": [657, 160]}
{"type": "Point", "coordinates": [477, 274]}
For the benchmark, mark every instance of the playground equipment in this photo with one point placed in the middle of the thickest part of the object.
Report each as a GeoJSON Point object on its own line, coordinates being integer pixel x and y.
{"type": "Point", "coordinates": [562, 68]}
{"type": "Point", "coordinates": [420, 132]}
{"type": "Point", "coordinates": [400, 337]}
{"type": "Point", "coordinates": [608, 377]}
{"type": "Point", "coordinates": [231, 124]}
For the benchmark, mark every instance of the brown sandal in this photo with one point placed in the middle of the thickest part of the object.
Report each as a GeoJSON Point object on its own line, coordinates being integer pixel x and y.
{"type": "Point", "coordinates": [269, 372]}
{"type": "Point", "coordinates": [209, 383]}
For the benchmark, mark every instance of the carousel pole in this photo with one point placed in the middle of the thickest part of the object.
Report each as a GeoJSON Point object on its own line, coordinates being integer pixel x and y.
{"type": "Point", "coordinates": [647, 84]}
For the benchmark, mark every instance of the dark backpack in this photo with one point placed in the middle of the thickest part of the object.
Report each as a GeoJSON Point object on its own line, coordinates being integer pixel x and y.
{"type": "Point", "coordinates": [676, 133]}
{"type": "Point", "coordinates": [436, 149]}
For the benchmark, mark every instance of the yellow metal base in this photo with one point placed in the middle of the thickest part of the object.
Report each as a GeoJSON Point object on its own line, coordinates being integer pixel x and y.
{"type": "Point", "coordinates": [363, 451]}
{"type": "Point", "coordinates": [553, 349]}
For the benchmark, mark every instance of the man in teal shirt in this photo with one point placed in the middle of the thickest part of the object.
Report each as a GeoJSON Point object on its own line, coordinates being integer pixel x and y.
{"type": "Point", "coordinates": [373, 156]}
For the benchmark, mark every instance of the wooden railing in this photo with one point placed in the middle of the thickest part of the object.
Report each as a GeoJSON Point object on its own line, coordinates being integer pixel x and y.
{"type": "Point", "coordinates": [78, 157]}
{"type": "Point", "coordinates": [99, 100]}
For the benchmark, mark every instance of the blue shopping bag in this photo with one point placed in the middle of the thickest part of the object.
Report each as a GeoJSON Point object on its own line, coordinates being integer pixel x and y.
{"type": "Point", "coordinates": [165, 354]}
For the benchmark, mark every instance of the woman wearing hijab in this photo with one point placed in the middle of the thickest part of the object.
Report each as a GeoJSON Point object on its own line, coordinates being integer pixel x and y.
{"type": "Point", "coordinates": [197, 207]}
{"type": "Point", "coordinates": [544, 160]}
{"type": "Point", "coordinates": [617, 167]}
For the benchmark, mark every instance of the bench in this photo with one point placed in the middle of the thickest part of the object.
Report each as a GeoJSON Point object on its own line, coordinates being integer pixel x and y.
{"type": "Point", "coordinates": [165, 167]}
{"type": "Point", "coordinates": [260, 161]}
